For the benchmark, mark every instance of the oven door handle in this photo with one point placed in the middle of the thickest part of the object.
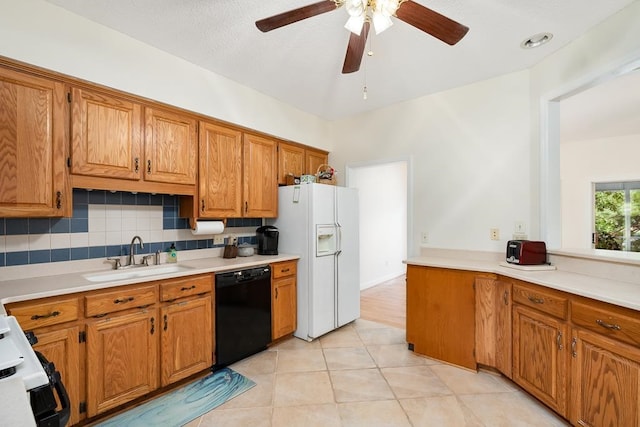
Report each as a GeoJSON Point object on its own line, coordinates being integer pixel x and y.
{"type": "Point", "coordinates": [54, 379]}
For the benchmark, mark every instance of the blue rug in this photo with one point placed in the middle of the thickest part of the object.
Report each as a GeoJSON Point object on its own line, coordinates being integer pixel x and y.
{"type": "Point", "coordinates": [185, 404]}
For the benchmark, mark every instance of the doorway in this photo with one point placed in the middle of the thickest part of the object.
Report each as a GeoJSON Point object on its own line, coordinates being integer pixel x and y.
{"type": "Point", "coordinates": [383, 218]}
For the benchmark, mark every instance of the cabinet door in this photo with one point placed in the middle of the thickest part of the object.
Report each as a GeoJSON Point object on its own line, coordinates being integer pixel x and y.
{"type": "Point", "coordinates": [283, 307]}
{"type": "Point", "coordinates": [260, 177]}
{"type": "Point", "coordinates": [493, 324]}
{"type": "Point", "coordinates": [605, 382]}
{"type": "Point", "coordinates": [187, 339]}
{"type": "Point", "coordinates": [441, 314]}
{"type": "Point", "coordinates": [290, 161]}
{"type": "Point", "coordinates": [122, 359]}
{"type": "Point", "coordinates": [313, 160]}
{"type": "Point", "coordinates": [63, 349]}
{"type": "Point", "coordinates": [540, 356]}
{"type": "Point", "coordinates": [33, 153]}
{"type": "Point", "coordinates": [220, 188]}
{"type": "Point", "coordinates": [106, 136]}
{"type": "Point", "coordinates": [171, 147]}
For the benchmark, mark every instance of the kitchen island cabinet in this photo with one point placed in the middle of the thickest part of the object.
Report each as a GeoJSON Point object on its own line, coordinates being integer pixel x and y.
{"type": "Point", "coordinates": [441, 314]}
{"type": "Point", "coordinates": [33, 147]}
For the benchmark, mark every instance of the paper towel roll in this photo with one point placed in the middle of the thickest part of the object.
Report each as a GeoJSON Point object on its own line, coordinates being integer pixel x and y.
{"type": "Point", "coordinates": [208, 227]}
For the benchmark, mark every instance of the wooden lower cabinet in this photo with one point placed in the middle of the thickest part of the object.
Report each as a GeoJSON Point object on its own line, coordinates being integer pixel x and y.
{"type": "Point", "coordinates": [122, 359]}
{"type": "Point", "coordinates": [62, 347]}
{"type": "Point", "coordinates": [494, 324]}
{"type": "Point", "coordinates": [187, 339]}
{"type": "Point", "coordinates": [441, 314]}
{"type": "Point", "coordinates": [540, 356]}
{"type": "Point", "coordinates": [605, 381]}
{"type": "Point", "coordinates": [284, 301]}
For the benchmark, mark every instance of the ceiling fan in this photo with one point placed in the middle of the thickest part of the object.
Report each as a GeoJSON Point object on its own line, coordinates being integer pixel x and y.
{"type": "Point", "coordinates": [362, 13]}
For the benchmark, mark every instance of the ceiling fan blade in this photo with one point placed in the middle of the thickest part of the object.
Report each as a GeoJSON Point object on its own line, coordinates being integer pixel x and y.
{"type": "Point", "coordinates": [431, 22]}
{"type": "Point", "coordinates": [295, 15]}
{"type": "Point", "coordinates": [355, 50]}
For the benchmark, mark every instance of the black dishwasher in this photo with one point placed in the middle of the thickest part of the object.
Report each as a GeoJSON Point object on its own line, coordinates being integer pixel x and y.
{"type": "Point", "coordinates": [243, 314]}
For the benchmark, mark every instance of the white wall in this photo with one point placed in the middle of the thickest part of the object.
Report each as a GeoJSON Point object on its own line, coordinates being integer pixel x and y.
{"type": "Point", "coordinates": [470, 151]}
{"type": "Point", "coordinates": [42, 34]}
{"type": "Point", "coordinates": [382, 190]}
{"type": "Point", "coordinates": [610, 45]}
{"type": "Point", "coordinates": [583, 163]}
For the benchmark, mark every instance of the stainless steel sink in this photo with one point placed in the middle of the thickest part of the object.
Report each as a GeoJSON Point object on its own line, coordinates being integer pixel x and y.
{"type": "Point", "coordinates": [105, 276]}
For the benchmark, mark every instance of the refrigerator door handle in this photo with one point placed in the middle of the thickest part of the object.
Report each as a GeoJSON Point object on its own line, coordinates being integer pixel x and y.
{"type": "Point", "coordinates": [339, 242]}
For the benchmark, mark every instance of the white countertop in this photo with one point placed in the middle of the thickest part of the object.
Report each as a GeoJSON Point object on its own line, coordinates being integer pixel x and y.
{"type": "Point", "coordinates": [28, 288]}
{"type": "Point", "coordinates": [615, 292]}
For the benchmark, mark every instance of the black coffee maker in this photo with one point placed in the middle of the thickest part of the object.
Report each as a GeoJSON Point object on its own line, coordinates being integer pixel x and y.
{"type": "Point", "coordinates": [267, 237]}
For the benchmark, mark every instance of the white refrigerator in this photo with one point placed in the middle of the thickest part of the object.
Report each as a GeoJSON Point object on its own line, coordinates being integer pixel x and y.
{"type": "Point", "coordinates": [320, 223]}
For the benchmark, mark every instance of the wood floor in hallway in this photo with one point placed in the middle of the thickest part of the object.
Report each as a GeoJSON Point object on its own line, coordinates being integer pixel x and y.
{"type": "Point", "coordinates": [385, 303]}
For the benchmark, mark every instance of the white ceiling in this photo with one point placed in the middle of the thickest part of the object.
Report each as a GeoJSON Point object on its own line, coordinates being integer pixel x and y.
{"type": "Point", "coordinates": [301, 64]}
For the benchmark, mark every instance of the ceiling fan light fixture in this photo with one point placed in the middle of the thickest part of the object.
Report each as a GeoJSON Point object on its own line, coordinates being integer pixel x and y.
{"type": "Point", "coordinates": [381, 21]}
{"type": "Point", "coordinates": [536, 40]}
{"type": "Point", "coordinates": [354, 24]}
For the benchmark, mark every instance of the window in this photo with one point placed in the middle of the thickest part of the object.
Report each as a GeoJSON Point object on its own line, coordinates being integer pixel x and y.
{"type": "Point", "coordinates": [617, 216]}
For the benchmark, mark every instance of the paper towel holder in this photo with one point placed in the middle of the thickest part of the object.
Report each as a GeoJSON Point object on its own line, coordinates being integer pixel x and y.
{"type": "Point", "coordinates": [208, 227]}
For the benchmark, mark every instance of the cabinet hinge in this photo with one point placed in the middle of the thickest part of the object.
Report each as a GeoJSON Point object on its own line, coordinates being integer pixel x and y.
{"type": "Point", "coordinates": [82, 337]}
{"type": "Point", "coordinates": [82, 407]}
{"type": "Point", "coordinates": [69, 97]}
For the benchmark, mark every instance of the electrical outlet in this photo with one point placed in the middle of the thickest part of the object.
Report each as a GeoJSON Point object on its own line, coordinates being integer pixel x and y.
{"type": "Point", "coordinates": [494, 233]}
{"type": "Point", "coordinates": [218, 239]}
{"type": "Point", "coordinates": [424, 237]}
{"type": "Point", "coordinates": [519, 227]}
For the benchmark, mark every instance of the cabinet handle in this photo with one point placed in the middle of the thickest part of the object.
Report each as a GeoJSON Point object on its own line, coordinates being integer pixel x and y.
{"type": "Point", "coordinates": [58, 200]}
{"type": "Point", "coordinates": [613, 327]}
{"type": "Point", "coordinates": [123, 300]}
{"type": "Point", "coordinates": [165, 322]}
{"type": "Point", "coordinates": [246, 206]}
{"type": "Point", "coordinates": [574, 345]}
{"type": "Point", "coordinates": [276, 293]}
{"type": "Point", "coordinates": [559, 340]}
{"type": "Point", "coordinates": [505, 298]}
{"type": "Point", "coordinates": [202, 208]}
{"type": "Point", "coordinates": [536, 300]}
{"type": "Point", "coordinates": [45, 316]}
{"type": "Point", "coordinates": [285, 270]}
{"type": "Point", "coordinates": [149, 166]}
{"type": "Point", "coordinates": [136, 162]}
{"type": "Point", "coordinates": [153, 325]}
{"type": "Point", "coordinates": [185, 288]}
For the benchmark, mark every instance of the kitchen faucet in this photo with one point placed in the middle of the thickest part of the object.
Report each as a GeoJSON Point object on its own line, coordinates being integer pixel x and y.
{"type": "Point", "coordinates": [132, 249]}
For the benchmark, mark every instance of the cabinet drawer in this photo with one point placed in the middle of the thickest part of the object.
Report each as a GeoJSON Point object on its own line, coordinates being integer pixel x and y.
{"type": "Point", "coordinates": [179, 288]}
{"type": "Point", "coordinates": [284, 269]}
{"type": "Point", "coordinates": [121, 299]}
{"type": "Point", "coordinates": [39, 313]}
{"type": "Point", "coordinates": [607, 321]}
{"type": "Point", "coordinates": [545, 301]}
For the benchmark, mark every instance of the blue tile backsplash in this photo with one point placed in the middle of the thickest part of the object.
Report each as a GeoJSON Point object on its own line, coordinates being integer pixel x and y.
{"type": "Point", "coordinates": [102, 225]}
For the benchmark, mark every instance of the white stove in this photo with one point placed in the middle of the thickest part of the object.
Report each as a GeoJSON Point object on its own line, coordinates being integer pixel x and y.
{"type": "Point", "coordinates": [19, 361]}
{"type": "Point", "coordinates": [17, 357]}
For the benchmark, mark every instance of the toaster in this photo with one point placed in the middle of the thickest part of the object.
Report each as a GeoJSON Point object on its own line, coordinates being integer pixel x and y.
{"type": "Point", "coordinates": [526, 252]}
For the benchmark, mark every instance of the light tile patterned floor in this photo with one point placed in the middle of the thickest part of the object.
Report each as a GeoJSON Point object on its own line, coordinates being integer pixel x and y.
{"type": "Point", "coordinates": [363, 375]}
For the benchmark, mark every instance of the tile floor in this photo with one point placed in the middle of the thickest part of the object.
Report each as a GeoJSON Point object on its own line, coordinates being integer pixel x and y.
{"type": "Point", "coordinates": [363, 375]}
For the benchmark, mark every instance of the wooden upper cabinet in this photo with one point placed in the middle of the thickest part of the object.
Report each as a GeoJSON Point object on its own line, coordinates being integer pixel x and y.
{"type": "Point", "coordinates": [33, 149]}
{"type": "Point", "coordinates": [171, 147]}
{"type": "Point", "coordinates": [290, 161]}
{"type": "Point", "coordinates": [313, 159]}
{"type": "Point", "coordinates": [106, 136]}
{"type": "Point", "coordinates": [220, 181]}
{"type": "Point", "coordinates": [260, 180]}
